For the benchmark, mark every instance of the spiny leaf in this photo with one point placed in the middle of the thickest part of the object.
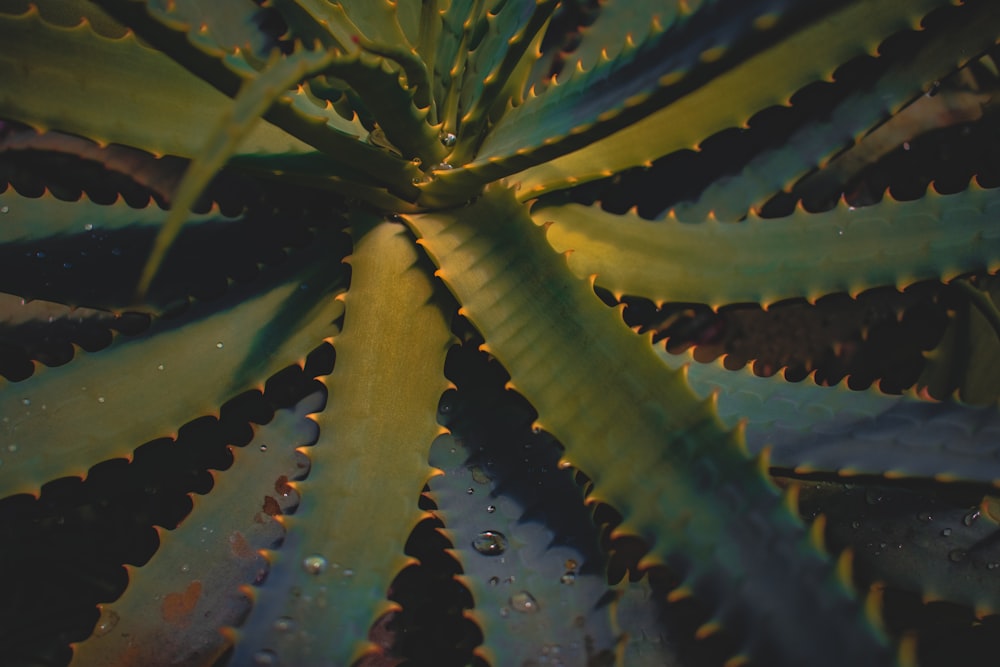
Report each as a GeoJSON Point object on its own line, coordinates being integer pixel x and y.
{"type": "Point", "coordinates": [970, 28]}
{"type": "Point", "coordinates": [230, 130]}
{"type": "Point", "coordinates": [65, 404]}
{"type": "Point", "coordinates": [332, 571]}
{"type": "Point", "coordinates": [201, 567]}
{"type": "Point", "coordinates": [709, 514]}
{"type": "Point", "coordinates": [967, 360]}
{"type": "Point", "coordinates": [809, 428]}
{"type": "Point", "coordinates": [323, 128]}
{"type": "Point", "coordinates": [846, 249]}
{"type": "Point", "coordinates": [529, 592]}
{"type": "Point", "coordinates": [681, 115]}
{"type": "Point", "coordinates": [83, 68]}
{"type": "Point", "coordinates": [933, 547]}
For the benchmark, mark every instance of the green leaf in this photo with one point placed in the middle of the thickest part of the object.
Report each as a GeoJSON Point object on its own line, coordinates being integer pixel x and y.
{"type": "Point", "coordinates": [102, 405]}
{"type": "Point", "coordinates": [83, 69]}
{"type": "Point", "coordinates": [933, 547]}
{"type": "Point", "coordinates": [653, 451]}
{"type": "Point", "coordinates": [331, 573]}
{"type": "Point", "coordinates": [966, 363]}
{"type": "Point", "coordinates": [201, 568]}
{"type": "Point", "coordinates": [567, 126]}
{"type": "Point", "coordinates": [810, 428]}
{"type": "Point", "coordinates": [972, 27]}
{"type": "Point", "coordinates": [846, 249]}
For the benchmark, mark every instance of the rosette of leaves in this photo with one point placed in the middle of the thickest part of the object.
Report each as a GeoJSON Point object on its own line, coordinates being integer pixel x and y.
{"type": "Point", "coordinates": [199, 195]}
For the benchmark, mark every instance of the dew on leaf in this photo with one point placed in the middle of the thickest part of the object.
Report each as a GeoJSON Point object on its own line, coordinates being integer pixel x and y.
{"type": "Point", "coordinates": [284, 624]}
{"type": "Point", "coordinates": [569, 578]}
{"type": "Point", "coordinates": [447, 140]}
{"type": "Point", "coordinates": [946, 532]}
{"type": "Point", "coordinates": [490, 543]}
{"type": "Point", "coordinates": [265, 657]}
{"type": "Point", "coordinates": [970, 518]}
{"type": "Point", "coordinates": [106, 623]}
{"type": "Point", "coordinates": [314, 564]}
{"type": "Point", "coordinates": [491, 508]}
{"type": "Point", "coordinates": [524, 602]}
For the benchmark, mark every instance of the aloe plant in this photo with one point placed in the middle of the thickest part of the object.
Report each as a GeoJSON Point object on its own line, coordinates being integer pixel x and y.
{"type": "Point", "coordinates": [234, 187]}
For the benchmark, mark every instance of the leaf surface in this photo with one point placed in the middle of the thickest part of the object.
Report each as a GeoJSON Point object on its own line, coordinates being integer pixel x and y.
{"type": "Point", "coordinates": [624, 417]}
{"type": "Point", "coordinates": [331, 574]}
{"type": "Point", "coordinates": [201, 566]}
{"type": "Point", "coordinates": [102, 405]}
{"type": "Point", "coordinates": [846, 249]}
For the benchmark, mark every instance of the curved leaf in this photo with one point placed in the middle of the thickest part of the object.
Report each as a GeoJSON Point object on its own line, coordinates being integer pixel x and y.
{"type": "Point", "coordinates": [103, 405]}
{"type": "Point", "coordinates": [331, 574]}
{"type": "Point", "coordinates": [201, 567]}
{"type": "Point", "coordinates": [846, 249]}
{"type": "Point", "coordinates": [641, 422]}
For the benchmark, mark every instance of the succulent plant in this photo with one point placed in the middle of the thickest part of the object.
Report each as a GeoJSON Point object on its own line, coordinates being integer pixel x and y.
{"type": "Point", "coordinates": [360, 319]}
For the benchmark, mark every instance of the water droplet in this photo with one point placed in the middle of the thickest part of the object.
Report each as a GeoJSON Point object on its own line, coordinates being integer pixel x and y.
{"type": "Point", "coordinates": [416, 162]}
{"type": "Point", "coordinates": [570, 564]}
{"type": "Point", "coordinates": [284, 624]}
{"type": "Point", "coordinates": [524, 602]}
{"type": "Point", "coordinates": [970, 518]}
{"type": "Point", "coordinates": [25, 401]}
{"type": "Point", "coordinates": [4, 209]}
{"type": "Point", "coordinates": [263, 448]}
{"type": "Point", "coordinates": [88, 227]}
{"type": "Point", "coordinates": [265, 657]}
{"type": "Point", "coordinates": [490, 543]}
{"type": "Point", "coordinates": [925, 516]}
{"type": "Point", "coordinates": [479, 475]}
{"type": "Point", "coordinates": [946, 532]}
{"type": "Point", "coordinates": [106, 623]}
{"type": "Point", "coordinates": [219, 345]}
{"type": "Point", "coordinates": [493, 581]}
{"type": "Point", "coordinates": [12, 448]}
{"type": "Point", "coordinates": [348, 573]}
{"type": "Point", "coordinates": [159, 367]}
{"type": "Point", "coordinates": [100, 399]}
{"type": "Point", "coordinates": [40, 254]}
{"type": "Point", "coordinates": [314, 564]}
{"type": "Point", "coordinates": [444, 166]}
{"type": "Point", "coordinates": [470, 490]}
{"type": "Point", "coordinates": [447, 140]}
{"type": "Point", "coordinates": [185, 568]}
{"type": "Point", "coordinates": [504, 612]}
{"type": "Point", "coordinates": [873, 496]}
{"type": "Point", "coordinates": [855, 525]}
{"type": "Point", "coordinates": [957, 555]}
{"type": "Point", "coordinates": [992, 566]}
{"type": "Point", "coordinates": [491, 508]}
{"type": "Point", "coordinates": [569, 578]}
